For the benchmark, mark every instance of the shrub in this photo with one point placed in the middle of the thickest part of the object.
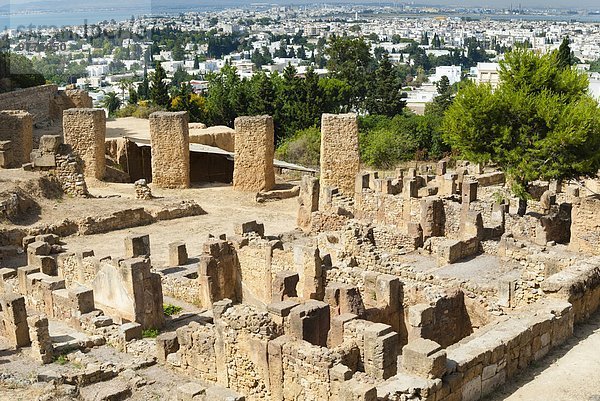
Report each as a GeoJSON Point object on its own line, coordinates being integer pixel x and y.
{"type": "Point", "coordinates": [385, 148]}
{"type": "Point", "coordinates": [141, 110]}
{"type": "Point", "coordinates": [303, 148]}
{"type": "Point", "coordinates": [171, 310]}
{"type": "Point", "coordinates": [150, 333]}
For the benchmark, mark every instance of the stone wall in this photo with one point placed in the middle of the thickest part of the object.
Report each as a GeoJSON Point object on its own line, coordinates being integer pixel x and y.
{"type": "Point", "coordinates": [585, 226]}
{"type": "Point", "coordinates": [169, 133]}
{"type": "Point", "coordinates": [38, 101]}
{"type": "Point", "coordinates": [340, 160]}
{"type": "Point", "coordinates": [579, 285]}
{"type": "Point", "coordinates": [85, 131]}
{"type": "Point", "coordinates": [129, 291]}
{"type": "Point", "coordinates": [254, 150]}
{"type": "Point", "coordinates": [16, 126]}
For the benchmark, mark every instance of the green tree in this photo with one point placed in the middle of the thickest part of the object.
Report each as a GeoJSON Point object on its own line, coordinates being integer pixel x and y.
{"type": "Point", "coordinates": [540, 123]}
{"type": "Point", "coordinates": [385, 93]}
{"type": "Point", "coordinates": [564, 56]}
{"type": "Point", "coordinates": [159, 92]}
{"type": "Point", "coordinates": [350, 60]}
{"type": "Point", "coordinates": [111, 102]}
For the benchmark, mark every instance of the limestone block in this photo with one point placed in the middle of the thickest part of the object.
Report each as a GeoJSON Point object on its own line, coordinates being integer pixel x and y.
{"type": "Point", "coordinates": [284, 285]}
{"type": "Point", "coordinates": [250, 227]}
{"type": "Point", "coordinates": [190, 392]}
{"type": "Point", "coordinates": [254, 151]}
{"type": "Point", "coordinates": [424, 358]}
{"type": "Point", "coordinates": [51, 239]}
{"type": "Point", "coordinates": [46, 264]}
{"type": "Point", "coordinates": [7, 273]}
{"type": "Point", "coordinates": [177, 253]}
{"type": "Point", "coordinates": [410, 188]}
{"type": "Point", "coordinates": [469, 191]}
{"type": "Point", "coordinates": [137, 245]}
{"type": "Point", "coordinates": [432, 217]}
{"type": "Point", "coordinates": [85, 131]}
{"type": "Point", "coordinates": [441, 167]}
{"type": "Point", "coordinates": [340, 160]}
{"type": "Point", "coordinates": [381, 351]}
{"type": "Point", "coordinates": [131, 331]}
{"type": "Point", "coordinates": [39, 248]}
{"type": "Point", "coordinates": [41, 343]}
{"type": "Point", "coordinates": [310, 322]}
{"type": "Point", "coordinates": [42, 160]}
{"type": "Point", "coordinates": [336, 332]}
{"type": "Point", "coordinates": [82, 299]}
{"type": "Point", "coordinates": [166, 344]}
{"type": "Point", "coordinates": [355, 390]}
{"type": "Point", "coordinates": [22, 273]}
{"type": "Point", "coordinates": [222, 394]}
{"type": "Point", "coordinates": [169, 134]}
{"type": "Point", "coordinates": [16, 126]}
{"type": "Point", "coordinates": [50, 143]}
{"type": "Point", "coordinates": [343, 298]}
{"type": "Point", "coordinates": [13, 320]}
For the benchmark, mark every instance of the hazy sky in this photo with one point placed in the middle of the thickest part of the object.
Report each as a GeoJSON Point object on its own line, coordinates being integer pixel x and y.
{"type": "Point", "coordinates": [487, 3]}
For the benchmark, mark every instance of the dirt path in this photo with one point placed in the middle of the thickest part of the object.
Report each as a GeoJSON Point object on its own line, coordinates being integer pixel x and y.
{"type": "Point", "coordinates": [569, 373]}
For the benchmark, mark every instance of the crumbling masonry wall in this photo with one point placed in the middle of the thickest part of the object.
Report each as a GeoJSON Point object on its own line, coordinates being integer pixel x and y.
{"type": "Point", "coordinates": [170, 138]}
{"type": "Point", "coordinates": [585, 226]}
{"type": "Point", "coordinates": [16, 126]}
{"type": "Point", "coordinates": [339, 152]}
{"type": "Point", "coordinates": [254, 151]}
{"type": "Point", "coordinates": [85, 131]}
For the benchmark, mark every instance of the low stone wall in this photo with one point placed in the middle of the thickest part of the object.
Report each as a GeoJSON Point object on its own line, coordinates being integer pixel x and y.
{"type": "Point", "coordinates": [579, 285]}
{"type": "Point", "coordinates": [585, 229]}
{"type": "Point", "coordinates": [127, 218]}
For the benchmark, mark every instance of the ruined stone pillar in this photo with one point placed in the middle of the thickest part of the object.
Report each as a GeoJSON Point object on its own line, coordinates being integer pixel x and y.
{"type": "Point", "coordinates": [16, 126]}
{"type": "Point", "coordinates": [85, 131]}
{"type": "Point", "coordinates": [170, 137]}
{"type": "Point", "coordinates": [254, 151]}
{"type": "Point", "coordinates": [13, 320]}
{"type": "Point", "coordinates": [308, 200]}
{"type": "Point", "coordinates": [340, 161]}
{"type": "Point", "coordinates": [310, 322]}
{"type": "Point", "coordinates": [381, 351]}
{"type": "Point", "coordinates": [432, 218]}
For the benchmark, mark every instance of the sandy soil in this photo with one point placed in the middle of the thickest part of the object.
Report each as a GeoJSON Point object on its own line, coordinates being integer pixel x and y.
{"type": "Point", "coordinates": [224, 208]}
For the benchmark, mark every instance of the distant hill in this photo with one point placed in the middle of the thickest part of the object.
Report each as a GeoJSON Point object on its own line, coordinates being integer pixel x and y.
{"type": "Point", "coordinates": [192, 4]}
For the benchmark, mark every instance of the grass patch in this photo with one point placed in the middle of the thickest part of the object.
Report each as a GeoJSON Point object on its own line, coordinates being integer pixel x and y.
{"type": "Point", "coordinates": [171, 310]}
{"type": "Point", "coordinates": [61, 359]}
{"type": "Point", "coordinates": [150, 333]}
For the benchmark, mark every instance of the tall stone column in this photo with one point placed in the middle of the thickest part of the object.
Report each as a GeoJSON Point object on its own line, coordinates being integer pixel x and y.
{"type": "Point", "coordinates": [254, 151]}
{"type": "Point", "coordinates": [85, 131]}
{"type": "Point", "coordinates": [340, 160]}
{"type": "Point", "coordinates": [170, 137]}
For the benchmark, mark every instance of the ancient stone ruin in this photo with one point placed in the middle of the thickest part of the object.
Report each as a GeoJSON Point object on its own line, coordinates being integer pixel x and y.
{"type": "Point", "coordinates": [419, 284]}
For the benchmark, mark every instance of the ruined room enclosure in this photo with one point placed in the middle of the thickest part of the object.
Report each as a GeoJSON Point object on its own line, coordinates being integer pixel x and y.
{"type": "Point", "coordinates": [423, 285]}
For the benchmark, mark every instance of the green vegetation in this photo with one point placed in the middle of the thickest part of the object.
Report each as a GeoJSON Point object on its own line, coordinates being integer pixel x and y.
{"type": "Point", "coordinates": [171, 310]}
{"type": "Point", "coordinates": [111, 102]}
{"type": "Point", "coordinates": [539, 123]}
{"type": "Point", "coordinates": [150, 333]}
{"type": "Point", "coordinates": [19, 73]}
{"type": "Point", "coordinates": [303, 148]}
{"type": "Point", "coordinates": [61, 359]}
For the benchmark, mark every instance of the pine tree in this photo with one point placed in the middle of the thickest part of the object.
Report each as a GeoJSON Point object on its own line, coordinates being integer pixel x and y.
{"type": "Point", "coordinates": [159, 93]}
{"type": "Point", "coordinates": [564, 58]}
{"type": "Point", "coordinates": [385, 96]}
{"type": "Point", "coordinates": [144, 88]}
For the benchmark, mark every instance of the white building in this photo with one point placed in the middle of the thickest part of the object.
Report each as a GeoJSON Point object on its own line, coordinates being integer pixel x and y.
{"type": "Point", "coordinates": [453, 73]}
{"type": "Point", "coordinates": [594, 88]}
{"type": "Point", "coordinates": [487, 73]}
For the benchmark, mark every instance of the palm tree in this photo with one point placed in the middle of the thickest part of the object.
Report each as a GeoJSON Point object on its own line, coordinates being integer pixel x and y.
{"type": "Point", "coordinates": [111, 102]}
